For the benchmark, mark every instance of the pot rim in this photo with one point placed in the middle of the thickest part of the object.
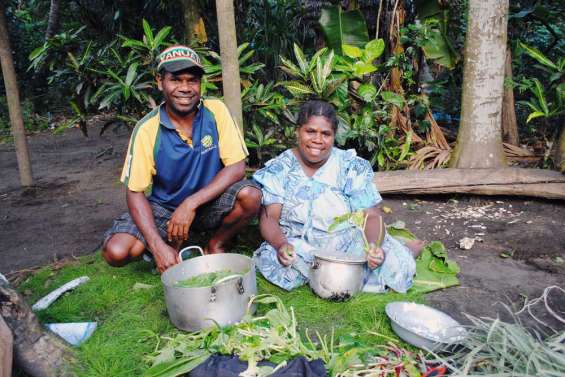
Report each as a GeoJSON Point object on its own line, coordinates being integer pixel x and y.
{"type": "Point", "coordinates": [188, 261]}
{"type": "Point", "coordinates": [337, 259]}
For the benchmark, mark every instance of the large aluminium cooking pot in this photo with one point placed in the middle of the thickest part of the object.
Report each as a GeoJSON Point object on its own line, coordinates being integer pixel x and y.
{"type": "Point", "coordinates": [337, 277]}
{"type": "Point", "coordinates": [224, 303]}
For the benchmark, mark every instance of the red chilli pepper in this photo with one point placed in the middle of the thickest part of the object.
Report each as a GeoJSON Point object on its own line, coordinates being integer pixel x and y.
{"type": "Point", "coordinates": [436, 372]}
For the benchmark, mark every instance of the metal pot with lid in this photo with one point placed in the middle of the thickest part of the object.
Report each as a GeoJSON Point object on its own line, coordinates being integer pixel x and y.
{"type": "Point", "coordinates": [224, 303]}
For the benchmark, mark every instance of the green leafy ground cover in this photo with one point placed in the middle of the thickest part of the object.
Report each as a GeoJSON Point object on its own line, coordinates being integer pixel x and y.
{"type": "Point", "coordinates": [131, 315]}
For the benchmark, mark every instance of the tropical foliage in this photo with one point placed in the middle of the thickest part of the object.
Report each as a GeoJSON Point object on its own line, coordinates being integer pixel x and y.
{"type": "Point", "coordinates": [393, 71]}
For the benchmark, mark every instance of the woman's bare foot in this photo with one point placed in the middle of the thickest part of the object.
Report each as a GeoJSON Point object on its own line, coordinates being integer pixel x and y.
{"type": "Point", "coordinates": [415, 246]}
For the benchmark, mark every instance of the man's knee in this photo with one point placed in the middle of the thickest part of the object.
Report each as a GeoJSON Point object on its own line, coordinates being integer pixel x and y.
{"type": "Point", "coordinates": [120, 248]}
{"type": "Point", "coordinates": [249, 198]}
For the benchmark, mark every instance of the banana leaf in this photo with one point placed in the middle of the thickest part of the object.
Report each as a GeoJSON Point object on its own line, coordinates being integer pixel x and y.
{"type": "Point", "coordinates": [343, 27]}
{"type": "Point", "coordinates": [434, 270]}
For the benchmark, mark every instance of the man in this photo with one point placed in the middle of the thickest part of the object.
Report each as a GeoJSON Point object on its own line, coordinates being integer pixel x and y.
{"type": "Point", "coordinates": [191, 155]}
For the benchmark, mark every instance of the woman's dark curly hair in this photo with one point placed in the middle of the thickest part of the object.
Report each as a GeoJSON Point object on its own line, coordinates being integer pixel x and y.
{"type": "Point", "coordinates": [317, 108]}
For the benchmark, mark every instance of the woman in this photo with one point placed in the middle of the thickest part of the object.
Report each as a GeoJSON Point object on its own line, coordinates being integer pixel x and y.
{"type": "Point", "coordinates": [304, 189]}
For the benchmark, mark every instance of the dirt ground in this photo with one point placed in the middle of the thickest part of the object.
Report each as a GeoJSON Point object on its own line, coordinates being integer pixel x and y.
{"type": "Point", "coordinates": [518, 250]}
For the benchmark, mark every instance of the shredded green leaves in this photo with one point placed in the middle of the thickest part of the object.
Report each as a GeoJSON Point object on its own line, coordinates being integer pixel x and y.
{"type": "Point", "coordinates": [274, 336]}
{"type": "Point", "coordinates": [206, 280]}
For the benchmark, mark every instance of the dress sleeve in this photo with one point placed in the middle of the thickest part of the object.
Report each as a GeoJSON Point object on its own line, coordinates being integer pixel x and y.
{"type": "Point", "coordinates": [359, 185]}
{"type": "Point", "coordinates": [272, 178]}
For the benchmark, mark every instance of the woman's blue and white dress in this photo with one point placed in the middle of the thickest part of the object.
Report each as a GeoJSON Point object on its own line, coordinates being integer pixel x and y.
{"type": "Point", "coordinates": [310, 204]}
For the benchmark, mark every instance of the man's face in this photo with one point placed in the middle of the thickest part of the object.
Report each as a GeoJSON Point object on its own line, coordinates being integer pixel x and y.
{"type": "Point", "coordinates": [181, 91]}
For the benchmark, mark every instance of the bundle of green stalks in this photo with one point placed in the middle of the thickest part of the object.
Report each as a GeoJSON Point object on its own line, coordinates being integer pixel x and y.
{"type": "Point", "coordinates": [496, 348]}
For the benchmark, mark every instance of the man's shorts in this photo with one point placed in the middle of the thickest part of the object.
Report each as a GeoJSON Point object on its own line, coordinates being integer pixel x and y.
{"type": "Point", "coordinates": [208, 217]}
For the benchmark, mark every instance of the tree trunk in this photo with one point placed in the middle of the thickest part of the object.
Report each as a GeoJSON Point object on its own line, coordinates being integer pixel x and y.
{"type": "Point", "coordinates": [560, 152]}
{"type": "Point", "coordinates": [14, 107]}
{"type": "Point", "coordinates": [230, 65]}
{"type": "Point", "coordinates": [6, 347]}
{"type": "Point", "coordinates": [509, 122]}
{"type": "Point", "coordinates": [37, 352]}
{"type": "Point", "coordinates": [53, 23]}
{"type": "Point", "coordinates": [479, 140]}
{"type": "Point", "coordinates": [191, 17]}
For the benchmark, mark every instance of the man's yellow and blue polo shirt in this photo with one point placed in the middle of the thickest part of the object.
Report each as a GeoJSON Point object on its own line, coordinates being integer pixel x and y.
{"type": "Point", "coordinates": [175, 166]}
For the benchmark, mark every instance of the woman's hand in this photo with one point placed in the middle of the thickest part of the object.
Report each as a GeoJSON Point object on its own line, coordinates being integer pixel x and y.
{"type": "Point", "coordinates": [286, 254]}
{"type": "Point", "coordinates": [375, 256]}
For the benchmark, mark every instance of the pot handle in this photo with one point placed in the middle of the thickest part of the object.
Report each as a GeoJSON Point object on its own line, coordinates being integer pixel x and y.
{"type": "Point", "coordinates": [188, 249]}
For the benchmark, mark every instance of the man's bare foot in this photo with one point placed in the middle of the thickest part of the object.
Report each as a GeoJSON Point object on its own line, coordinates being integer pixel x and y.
{"type": "Point", "coordinates": [415, 246]}
{"type": "Point", "coordinates": [214, 247]}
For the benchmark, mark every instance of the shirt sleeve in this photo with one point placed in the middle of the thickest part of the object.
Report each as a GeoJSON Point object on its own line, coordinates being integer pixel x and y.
{"type": "Point", "coordinates": [231, 142]}
{"type": "Point", "coordinates": [359, 185]}
{"type": "Point", "coordinates": [271, 178]}
{"type": "Point", "coordinates": [139, 167]}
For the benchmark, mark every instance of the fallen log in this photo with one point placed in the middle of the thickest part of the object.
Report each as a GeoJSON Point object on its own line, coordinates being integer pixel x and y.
{"type": "Point", "coordinates": [6, 345]}
{"type": "Point", "coordinates": [537, 183]}
{"type": "Point", "coordinates": [37, 351]}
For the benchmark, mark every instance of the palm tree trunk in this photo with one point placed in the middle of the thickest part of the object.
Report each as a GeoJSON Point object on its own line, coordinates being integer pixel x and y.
{"type": "Point", "coordinates": [191, 17]}
{"type": "Point", "coordinates": [479, 140]}
{"type": "Point", "coordinates": [14, 107]}
{"type": "Point", "coordinates": [230, 65]}
{"type": "Point", "coordinates": [560, 153]}
{"type": "Point", "coordinates": [509, 122]}
{"type": "Point", "coordinates": [53, 23]}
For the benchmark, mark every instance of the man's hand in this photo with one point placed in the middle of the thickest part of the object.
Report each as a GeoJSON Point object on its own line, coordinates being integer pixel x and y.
{"type": "Point", "coordinates": [165, 257]}
{"type": "Point", "coordinates": [180, 222]}
{"type": "Point", "coordinates": [375, 256]}
{"type": "Point", "coordinates": [286, 254]}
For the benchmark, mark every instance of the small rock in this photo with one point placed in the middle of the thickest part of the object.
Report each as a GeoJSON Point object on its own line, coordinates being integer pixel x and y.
{"type": "Point", "coordinates": [466, 243]}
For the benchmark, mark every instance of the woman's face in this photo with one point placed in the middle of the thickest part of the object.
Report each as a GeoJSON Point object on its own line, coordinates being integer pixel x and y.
{"type": "Point", "coordinates": [315, 140]}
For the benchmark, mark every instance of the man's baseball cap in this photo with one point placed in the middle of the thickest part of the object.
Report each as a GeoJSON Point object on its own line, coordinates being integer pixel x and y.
{"type": "Point", "coordinates": [177, 58]}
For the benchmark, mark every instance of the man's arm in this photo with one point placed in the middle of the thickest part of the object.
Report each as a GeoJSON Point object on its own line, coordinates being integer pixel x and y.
{"type": "Point", "coordinates": [182, 218]}
{"type": "Point", "coordinates": [142, 214]}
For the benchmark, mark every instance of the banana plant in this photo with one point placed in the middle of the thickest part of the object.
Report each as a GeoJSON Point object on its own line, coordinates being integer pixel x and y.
{"type": "Point", "coordinates": [343, 28]}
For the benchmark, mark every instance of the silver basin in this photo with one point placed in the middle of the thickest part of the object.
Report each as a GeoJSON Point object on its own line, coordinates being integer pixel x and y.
{"type": "Point", "coordinates": [225, 303]}
{"type": "Point", "coordinates": [424, 326]}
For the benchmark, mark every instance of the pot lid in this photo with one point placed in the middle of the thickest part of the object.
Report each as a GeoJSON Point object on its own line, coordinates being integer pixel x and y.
{"type": "Point", "coordinates": [341, 257]}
